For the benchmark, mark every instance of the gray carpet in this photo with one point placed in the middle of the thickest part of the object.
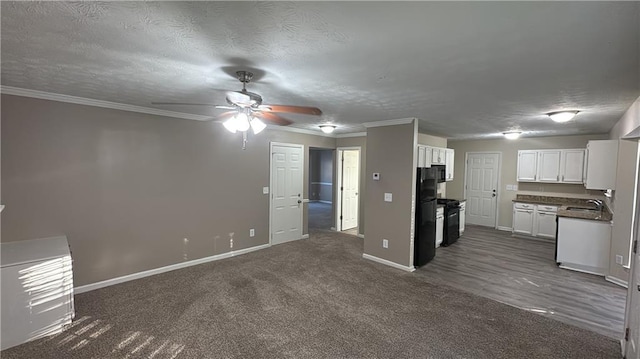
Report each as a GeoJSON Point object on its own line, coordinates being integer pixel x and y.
{"type": "Point", "coordinates": [313, 298]}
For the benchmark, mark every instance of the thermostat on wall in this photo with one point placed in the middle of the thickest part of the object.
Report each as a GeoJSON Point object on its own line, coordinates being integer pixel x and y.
{"type": "Point", "coordinates": [376, 176]}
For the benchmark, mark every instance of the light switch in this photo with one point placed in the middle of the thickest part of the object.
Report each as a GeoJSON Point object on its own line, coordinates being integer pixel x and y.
{"type": "Point", "coordinates": [388, 197]}
{"type": "Point", "coordinates": [509, 187]}
{"type": "Point", "coordinates": [265, 190]}
{"type": "Point", "coordinates": [376, 176]}
{"type": "Point", "coordinates": [515, 187]}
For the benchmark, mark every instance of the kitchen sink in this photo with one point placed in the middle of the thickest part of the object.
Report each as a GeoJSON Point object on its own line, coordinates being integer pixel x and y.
{"type": "Point", "coordinates": [582, 209]}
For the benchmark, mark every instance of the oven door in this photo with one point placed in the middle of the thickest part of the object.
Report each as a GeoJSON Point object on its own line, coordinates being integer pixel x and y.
{"type": "Point", "coordinates": [452, 226]}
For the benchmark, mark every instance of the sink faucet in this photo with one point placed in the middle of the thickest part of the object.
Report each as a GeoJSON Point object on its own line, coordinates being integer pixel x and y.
{"type": "Point", "coordinates": [597, 202]}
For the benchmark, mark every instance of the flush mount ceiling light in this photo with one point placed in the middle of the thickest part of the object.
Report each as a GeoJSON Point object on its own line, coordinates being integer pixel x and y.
{"type": "Point", "coordinates": [512, 135]}
{"type": "Point", "coordinates": [562, 116]}
{"type": "Point", "coordinates": [327, 128]}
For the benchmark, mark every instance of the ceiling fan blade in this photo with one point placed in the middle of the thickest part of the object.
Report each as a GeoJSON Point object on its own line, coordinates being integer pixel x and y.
{"type": "Point", "coordinates": [223, 116]}
{"type": "Point", "coordinates": [273, 118]}
{"type": "Point", "coordinates": [291, 109]}
{"type": "Point", "coordinates": [224, 107]}
{"type": "Point", "coordinates": [183, 104]}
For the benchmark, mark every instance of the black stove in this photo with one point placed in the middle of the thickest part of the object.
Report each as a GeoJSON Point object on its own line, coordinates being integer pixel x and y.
{"type": "Point", "coordinates": [451, 221]}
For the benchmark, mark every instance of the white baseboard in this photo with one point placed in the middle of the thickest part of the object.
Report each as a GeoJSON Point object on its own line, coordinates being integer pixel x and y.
{"type": "Point", "coordinates": [147, 273]}
{"type": "Point", "coordinates": [360, 235]}
{"type": "Point", "coordinates": [389, 263]}
{"type": "Point", "coordinates": [327, 202]}
{"type": "Point", "coordinates": [502, 228]}
{"type": "Point", "coordinates": [333, 228]}
{"type": "Point", "coordinates": [305, 236]}
{"type": "Point", "coordinates": [617, 281]}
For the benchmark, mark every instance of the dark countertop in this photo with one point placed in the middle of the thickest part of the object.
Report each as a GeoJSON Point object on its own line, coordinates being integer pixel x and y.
{"type": "Point", "coordinates": [564, 202]}
{"type": "Point", "coordinates": [603, 215]}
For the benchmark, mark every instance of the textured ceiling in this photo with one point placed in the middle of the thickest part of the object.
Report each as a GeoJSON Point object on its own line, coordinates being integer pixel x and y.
{"type": "Point", "coordinates": [467, 70]}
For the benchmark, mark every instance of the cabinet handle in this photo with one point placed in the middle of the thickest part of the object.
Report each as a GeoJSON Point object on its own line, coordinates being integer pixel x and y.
{"type": "Point", "coordinates": [534, 177]}
{"type": "Point", "coordinates": [541, 214]}
{"type": "Point", "coordinates": [558, 178]}
{"type": "Point", "coordinates": [562, 178]}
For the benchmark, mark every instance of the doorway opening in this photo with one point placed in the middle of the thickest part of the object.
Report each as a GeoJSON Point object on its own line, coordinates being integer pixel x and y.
{"type": "Point", "coordinates": [348, 189]}
{"type": "Point", "coordinates": [321, 188]}
{"type": "Point", "coordinates": [481, 184]}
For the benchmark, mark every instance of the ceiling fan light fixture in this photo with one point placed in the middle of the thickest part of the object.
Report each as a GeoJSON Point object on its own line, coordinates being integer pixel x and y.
{"type": "Point", "coordinates": [257, 126]}
{"type": "Point", "coordinates": [230, 125]}
{"type": "Point", "coordinates": [327, 128]}
{"type": "Point", "coordinates": [562, 116]}
{"type": "Point", "coordinates": [512, 135]}
{"type": "Point", "coordinates": [242, 122]}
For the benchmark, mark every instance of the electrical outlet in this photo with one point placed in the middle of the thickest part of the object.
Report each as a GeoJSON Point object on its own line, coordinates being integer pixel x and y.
{"type": "Point", "coordinates": [385, 243]}
{"type": "Point", "coordinates": [252, 232]}
{"type": "Point", "coordinates": [619, 259]}
{"type": "Point", "coordinates": [265, 190]}
{"type": "Point", "coordinates": [231, 243]}
{"type": "Point", "coordinates": [388, 197]}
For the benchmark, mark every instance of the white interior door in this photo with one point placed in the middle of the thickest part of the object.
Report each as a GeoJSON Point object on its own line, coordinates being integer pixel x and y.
{"type": "Point", "coordinates": [286, 192]}
{"type": "Point", "coordinates": [632, 311]}
{"type": "Point", "coordinates": [349, 186]}
{"type": "Point", "coordinates": [481, 186]}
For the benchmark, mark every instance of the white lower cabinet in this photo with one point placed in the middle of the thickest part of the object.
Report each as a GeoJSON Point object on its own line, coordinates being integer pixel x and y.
{"type": "Point", "coordinates": [534, 220]}
{"type": "Point", "coordinates": [545, 225]}
{"type": "Point", "coordinates": [523, 221]}
{"type": "Point", "coordinates": [583, 245]}
{"type": "Point", "coordinates": [439, 226]}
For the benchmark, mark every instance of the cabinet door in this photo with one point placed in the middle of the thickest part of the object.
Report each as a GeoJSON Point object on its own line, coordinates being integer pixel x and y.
{"type": "Point", "coordinates": [427, 156]}
{"type": "Point", "coordinates": [549, 165]}
{"type": "Point", "coordinates": [437, 156]}
{"type": "Point", "coordinates": [422, 153]}
{"type": "Point", "coordinates": [602, 164]}
{"type": "Point", "coordinates": [527, 166]}
{"type": "Point", "coordinates": [449, 162]}
{"type": "Point", "coordinates": [523, 221]}
{"type": "Point", "coordinates": [572, 166]}
{"type": "Point", "coordinates": [545, 226]}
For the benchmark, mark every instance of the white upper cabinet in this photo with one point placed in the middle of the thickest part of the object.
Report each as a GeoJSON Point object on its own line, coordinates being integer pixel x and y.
{"type": "Point", "coordinates": [549, 165]}
{"type": "Point", "coordinates": [422, 159]}
{"type": "Point", "coordinates": [527, 166]}
{"type": "Point", "coordinates": [553, 166]}
{"type": "Point", "coordinates": [424, 156]}
{"type": "Point", "coordinates": [602, 163]}
{"type": "Point", "coordinates": [438, 156]}
{"type": "Point", "coordinates": [572, 166]}
{"type": "Point", "coordinates": [449, 162]}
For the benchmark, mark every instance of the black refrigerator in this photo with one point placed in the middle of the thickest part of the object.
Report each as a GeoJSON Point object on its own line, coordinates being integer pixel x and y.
{"type": "Point", "coordinates": [424, 243]}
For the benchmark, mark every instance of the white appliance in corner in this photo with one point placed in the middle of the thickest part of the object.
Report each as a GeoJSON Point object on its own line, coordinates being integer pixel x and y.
{"type": "Point", "coordinates": [439, 226]}
{"type": "Point", "coordinates": [37, 289]}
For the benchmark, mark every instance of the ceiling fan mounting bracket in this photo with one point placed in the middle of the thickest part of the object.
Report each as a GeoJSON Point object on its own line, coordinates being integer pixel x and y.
{"type": "Point", "coordinates": [244, 76]}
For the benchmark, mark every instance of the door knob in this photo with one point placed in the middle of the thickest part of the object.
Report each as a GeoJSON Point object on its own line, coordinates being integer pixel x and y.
{"type": "Point", "coordinates": [299, 201]}
{"type": "Point", "coordinates": [493, 195]}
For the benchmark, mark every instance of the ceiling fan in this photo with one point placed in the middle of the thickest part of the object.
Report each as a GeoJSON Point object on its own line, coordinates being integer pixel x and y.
{"type": "Point", "coordinates": [247, 111]}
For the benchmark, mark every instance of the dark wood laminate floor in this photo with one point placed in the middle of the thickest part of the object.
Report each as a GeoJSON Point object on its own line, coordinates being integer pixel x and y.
{"type": "Point", "coordinates": [522, 273]}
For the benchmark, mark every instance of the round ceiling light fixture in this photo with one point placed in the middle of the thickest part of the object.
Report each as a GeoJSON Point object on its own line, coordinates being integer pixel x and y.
{"type": "Point", "coordinates": [512, 135]}
{"type": "Point", "coordinates": [327, 128]}
{"type": "Point", "coordinates": [562, 116]}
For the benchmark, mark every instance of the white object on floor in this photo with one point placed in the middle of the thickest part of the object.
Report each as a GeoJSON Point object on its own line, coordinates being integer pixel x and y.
{"type": "Point", "coordinates": [583, 245]}
{"type": "Point", "coordinates": [439, 226]}
{"type": "Point", "coordinates": [37, 289]}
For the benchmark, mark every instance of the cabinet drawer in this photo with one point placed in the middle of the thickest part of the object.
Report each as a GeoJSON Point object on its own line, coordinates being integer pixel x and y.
{"type": "Point", "coordinates": [523, 205]}
{"type": "Point", "coordinates": [543, 208]}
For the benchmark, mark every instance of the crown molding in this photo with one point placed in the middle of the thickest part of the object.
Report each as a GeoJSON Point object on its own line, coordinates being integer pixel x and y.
{"type": "Point", "coordinates": [16, 91]}
{"type": "Point", "coordinates": [354, 134]}
{"type": "Point", "coordinates": [300, 130]}
{"type": "Point", "coordinates": [400, 121]}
